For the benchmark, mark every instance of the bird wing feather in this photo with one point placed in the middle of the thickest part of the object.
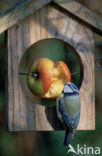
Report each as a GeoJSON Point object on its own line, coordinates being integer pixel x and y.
{"type": "Point", "coordinates": [66, 118]}
{"type": "Point", "coordinates": [70, 122]}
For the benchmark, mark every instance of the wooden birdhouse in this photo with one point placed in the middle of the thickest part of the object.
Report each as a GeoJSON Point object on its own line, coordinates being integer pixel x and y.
{"type": "Point", "coordinates": [30, 22]}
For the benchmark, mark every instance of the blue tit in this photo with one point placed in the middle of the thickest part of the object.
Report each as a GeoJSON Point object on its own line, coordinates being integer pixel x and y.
{"type": "Point", "coordinates": [68, 109]}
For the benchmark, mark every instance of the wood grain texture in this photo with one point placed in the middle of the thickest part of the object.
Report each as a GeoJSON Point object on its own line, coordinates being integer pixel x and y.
{"type": "Point", "coordinates": [48, 22]}
{"type": "Point", "coordinates": [90, 18]}
{"type": "Point", "coordinates": [19, 11]}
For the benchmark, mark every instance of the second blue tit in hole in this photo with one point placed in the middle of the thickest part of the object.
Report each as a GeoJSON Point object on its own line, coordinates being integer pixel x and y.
{"type": "Point", "coordinates": [68, 109]}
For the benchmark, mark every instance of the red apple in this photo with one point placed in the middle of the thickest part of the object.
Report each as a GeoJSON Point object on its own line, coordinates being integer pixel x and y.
{"type": "Point", "coordinates": [47, 78]}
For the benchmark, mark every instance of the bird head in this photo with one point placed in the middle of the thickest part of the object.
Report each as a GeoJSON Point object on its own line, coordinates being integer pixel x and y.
{"type": "Point", "coordinates": [70, 87]}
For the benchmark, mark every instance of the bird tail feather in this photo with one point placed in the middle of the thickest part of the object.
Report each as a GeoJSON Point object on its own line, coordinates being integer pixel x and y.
{"type": "Point", "coordinates": [67, 138]}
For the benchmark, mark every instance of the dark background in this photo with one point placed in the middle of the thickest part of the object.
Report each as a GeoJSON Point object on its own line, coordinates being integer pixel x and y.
{"type": "Point", "coordinates": [48, 143]}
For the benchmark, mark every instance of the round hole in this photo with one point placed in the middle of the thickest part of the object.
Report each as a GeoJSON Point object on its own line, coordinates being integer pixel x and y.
{"type": "Point", "coordinates": [56, 50]}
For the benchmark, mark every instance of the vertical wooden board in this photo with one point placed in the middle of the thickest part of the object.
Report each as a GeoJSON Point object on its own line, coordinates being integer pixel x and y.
{"type": "Point", "coordinates": [48, 22]}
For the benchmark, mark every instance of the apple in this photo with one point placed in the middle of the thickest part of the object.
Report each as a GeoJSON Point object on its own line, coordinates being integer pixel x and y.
{"type": "Point", "coordinates": [46, 78]}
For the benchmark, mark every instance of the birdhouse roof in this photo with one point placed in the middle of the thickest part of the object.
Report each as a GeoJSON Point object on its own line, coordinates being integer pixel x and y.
{"type": "Point", "coordinates": [27, 7]}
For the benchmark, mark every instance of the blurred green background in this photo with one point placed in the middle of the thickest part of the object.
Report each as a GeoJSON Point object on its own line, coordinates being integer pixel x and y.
{"type": "Point", "coordinates": [48, 143]}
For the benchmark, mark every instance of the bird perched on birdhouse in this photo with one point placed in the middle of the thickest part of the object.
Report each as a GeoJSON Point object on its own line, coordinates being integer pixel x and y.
{"type": "Point", "coordinates": [68, 109]}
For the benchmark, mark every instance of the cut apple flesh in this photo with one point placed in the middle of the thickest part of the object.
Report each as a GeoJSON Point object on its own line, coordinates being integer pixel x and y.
{"type": "Point", "coordinates": [55, 89]}
{"type": "Point", "coordinates": [60, 75]}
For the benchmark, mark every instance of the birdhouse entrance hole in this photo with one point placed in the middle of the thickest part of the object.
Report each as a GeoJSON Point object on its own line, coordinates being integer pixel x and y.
{"type": "Point", "coordinates": [55, 50]}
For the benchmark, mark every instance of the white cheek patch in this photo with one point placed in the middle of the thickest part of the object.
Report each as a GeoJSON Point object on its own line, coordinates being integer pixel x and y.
{"type": "Point", "coordinates": [67, 89]}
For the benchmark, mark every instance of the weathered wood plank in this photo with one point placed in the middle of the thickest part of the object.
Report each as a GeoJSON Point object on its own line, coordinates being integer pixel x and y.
{"type": "Point", "coordinates": [90, 18]}
{"type": "Point", "coordinates": [19, 11]}
{"type": "Point", "coordinates": [26, 7]}
{"type": "Point", "coordinates": [48, 22]}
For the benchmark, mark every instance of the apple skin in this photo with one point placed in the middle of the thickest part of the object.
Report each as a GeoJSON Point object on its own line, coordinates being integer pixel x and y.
{"type": "Point", "coordinates": [49, 77]}
{"type": "Point", "coordinates": [40, 85]}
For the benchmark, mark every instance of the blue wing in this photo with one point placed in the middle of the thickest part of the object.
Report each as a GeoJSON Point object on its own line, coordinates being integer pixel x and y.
{"type": "Point", "coordinates": [66, 118]}
{"type": "Point", "coordinates": [70, 122]}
